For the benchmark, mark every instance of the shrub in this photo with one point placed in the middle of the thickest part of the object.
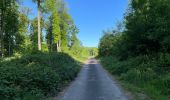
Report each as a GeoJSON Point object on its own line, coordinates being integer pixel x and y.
{"type": "Point", "coordinates": [149, 73]}
{"type": "Point", "coordinates": [138, 77]}
{"type": "Point", "coordinates": [36, 75]}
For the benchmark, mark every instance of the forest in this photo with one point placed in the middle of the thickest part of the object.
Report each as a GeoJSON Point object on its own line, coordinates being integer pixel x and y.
{"type": "Point", "coordinates": [38, 56]}
{"type": "Point", "coordinates": [41, 55]}
{"type": "Point", "coordinates": [138, 50]}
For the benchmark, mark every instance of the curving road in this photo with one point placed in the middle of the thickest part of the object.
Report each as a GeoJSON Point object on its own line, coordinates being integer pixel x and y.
{"type": "Point", "coordinates": [93, 83]}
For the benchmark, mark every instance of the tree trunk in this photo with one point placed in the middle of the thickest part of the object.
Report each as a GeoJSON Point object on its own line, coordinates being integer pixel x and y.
{"type": "Point", "coordinates": [9, 47]}
{"type": "Point", "coordinates": [39, 27]}
{"type": "Point", "coordinates": [2, 31]}
{"type": "Point", "coordinates": [50, 45]}
{"type": "Point", "coordinates": [57, 47]}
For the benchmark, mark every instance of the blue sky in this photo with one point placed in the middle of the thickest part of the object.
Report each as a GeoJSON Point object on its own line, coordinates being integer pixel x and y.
{"type": "Point", "coordinates": [92, 17]}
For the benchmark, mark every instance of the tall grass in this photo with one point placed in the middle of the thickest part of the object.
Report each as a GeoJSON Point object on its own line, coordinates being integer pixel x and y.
{"type": "Point", "coordinates": [150, 74]}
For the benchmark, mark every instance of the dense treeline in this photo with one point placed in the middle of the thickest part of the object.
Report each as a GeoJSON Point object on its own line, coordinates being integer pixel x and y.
{"type": "Point", "coordinates": [52, 30]}
{"type": "Point", "coordinates": [146, 29]}
{"type": "Point", "coordinates": [8, 25]}
{"type": "Point", "coordinates": [139, 51]}
{"type": "Point", "coordinates": [36, 54]}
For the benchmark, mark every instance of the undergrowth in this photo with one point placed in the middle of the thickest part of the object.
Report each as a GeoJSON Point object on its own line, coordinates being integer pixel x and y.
{"type": "Point", "coordinates": [32, 77]}
{"type": "Point", "coordinates": [148, 74]}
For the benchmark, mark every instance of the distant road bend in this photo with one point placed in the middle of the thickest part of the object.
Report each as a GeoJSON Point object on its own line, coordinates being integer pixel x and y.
{"type": "Point", "coordinates": [93, 83]}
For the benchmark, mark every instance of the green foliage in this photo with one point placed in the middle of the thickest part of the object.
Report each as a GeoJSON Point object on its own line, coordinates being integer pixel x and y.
{"type": "Point", "coordinates": [56, 27]}
{"type": "Point", "coordinates": [140, 53]}
{"type": "Point", "coordinates": [109, 44]}
{"type": "Point", "coordinates": [146, 34]}
{"type": "Point", "coordinates": [146, 31]}
{"type": "Point", "coordinates": [20, 34]}
{"type": "Point", "coordinates": [34, 32]}
{"type": "Point", "coordinates": [8, 26]}
{"type": "Point", "coordinates": [36, 75]}
{"type": "Point", "coordinates": [22, 38]}
{"type": "Point", "coordinates": [65, 19]}
{"type": "Point", "coordinates": [143, 72]}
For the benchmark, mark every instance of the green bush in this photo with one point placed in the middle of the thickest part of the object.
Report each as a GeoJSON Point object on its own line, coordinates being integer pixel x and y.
{"type": "Point", "coordinates": [150, 73]}
{"type": "Point", "coordinates": [162, 83]}
{"type": "Point", "coordinates": [136, 76]}
{"type": "Point", "coordinates": [36, 75]}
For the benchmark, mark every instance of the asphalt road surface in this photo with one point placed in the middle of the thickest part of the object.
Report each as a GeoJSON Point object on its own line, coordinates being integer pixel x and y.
{"type": "Point", "coordinates": [93, 83]}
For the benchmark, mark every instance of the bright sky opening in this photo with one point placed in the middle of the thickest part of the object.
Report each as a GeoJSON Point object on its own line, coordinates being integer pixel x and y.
{"type": "Point", "coordinates": [92, 17]}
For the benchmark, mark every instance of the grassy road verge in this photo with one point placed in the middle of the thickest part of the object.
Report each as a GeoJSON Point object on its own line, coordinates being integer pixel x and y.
{"type": "Point", "coordinates": [146, 77]}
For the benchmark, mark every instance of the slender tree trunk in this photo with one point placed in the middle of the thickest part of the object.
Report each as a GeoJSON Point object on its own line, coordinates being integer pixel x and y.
{"type": "Point", "coordinates": [39, 27]}
{"type": "Point", "coordinates": [50, 45]}
{"type": "Point", "coordinates": [2, 31]}
{"type": "Point", "coordinates": [57, 46]}
{"type": "Point", "coordinates": [9, 47]}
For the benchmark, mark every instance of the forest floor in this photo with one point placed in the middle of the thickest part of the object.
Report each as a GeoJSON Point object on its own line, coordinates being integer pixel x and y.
{"type": "Point", "coordinates": [94, 83]}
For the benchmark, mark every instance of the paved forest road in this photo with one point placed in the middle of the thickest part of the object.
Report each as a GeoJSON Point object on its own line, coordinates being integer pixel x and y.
{"type": "Point", "coordinates": [93, 83]}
